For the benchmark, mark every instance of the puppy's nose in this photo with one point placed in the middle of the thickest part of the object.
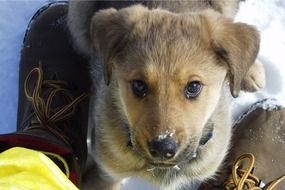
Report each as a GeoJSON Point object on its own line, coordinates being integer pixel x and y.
{"type": "Point", "coordinates": [164, 149]}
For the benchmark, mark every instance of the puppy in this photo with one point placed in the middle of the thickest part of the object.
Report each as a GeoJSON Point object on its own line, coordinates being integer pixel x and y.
{"type": "Point", "coordinates": [163, 73]}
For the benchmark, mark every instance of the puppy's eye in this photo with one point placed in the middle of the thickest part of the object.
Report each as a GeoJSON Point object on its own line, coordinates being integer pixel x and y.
{"type": "Point", "coordinates": [193, 89]}
{"type": "Point", "coordinates": [139, 88]}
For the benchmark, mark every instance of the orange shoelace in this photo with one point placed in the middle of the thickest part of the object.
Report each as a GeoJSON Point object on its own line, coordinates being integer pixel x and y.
{"type": "Point", "coordinates": [243, 179]}
{"type": "Point", "coordinates": [47, 115]}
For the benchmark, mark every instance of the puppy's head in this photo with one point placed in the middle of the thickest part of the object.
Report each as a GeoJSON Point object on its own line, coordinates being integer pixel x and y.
{"type": "Point", "coordinates": [166, 72]}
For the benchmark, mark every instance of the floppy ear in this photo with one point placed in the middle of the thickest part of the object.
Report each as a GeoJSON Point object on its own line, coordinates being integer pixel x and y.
{"type": "Point", "coordinates": [110, 32]}
{"type": "Point", "coordinates": [237, 44]}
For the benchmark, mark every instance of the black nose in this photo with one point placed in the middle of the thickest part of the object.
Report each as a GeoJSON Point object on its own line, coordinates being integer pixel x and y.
{"type": "Point", "coordinates": [163, 149]}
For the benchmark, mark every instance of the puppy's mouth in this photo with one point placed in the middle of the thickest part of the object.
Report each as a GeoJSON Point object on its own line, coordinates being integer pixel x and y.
{"type": "Point", "coordinates": [176, 164]}
{"type": "Point", "coordinates": [127, 131]}
{"type": "Point", "coordinates": [162, 165]}
{"type": "Point", "coordinates": [187, 155]}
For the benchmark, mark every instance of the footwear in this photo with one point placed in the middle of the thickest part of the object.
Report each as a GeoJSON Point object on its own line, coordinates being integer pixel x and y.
{"type": "Point", "coordinates": [54, 85]}
{"type": "Point", "coordinates": [261, 131]}
{"type": "Point", "coordinates": [259, 134]}
{"type": "Point", "coordinates": [242, 178]}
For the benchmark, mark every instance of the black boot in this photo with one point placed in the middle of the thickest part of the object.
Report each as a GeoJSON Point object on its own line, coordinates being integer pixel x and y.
{"type": "Point", "coordinates": [54, 85]}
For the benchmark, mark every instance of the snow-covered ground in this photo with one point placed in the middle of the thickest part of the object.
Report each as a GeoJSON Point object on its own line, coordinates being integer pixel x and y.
{"type": "Point", "coordinates": [14, 18]}
{"type": "Point", "coordinates": [267, 15]}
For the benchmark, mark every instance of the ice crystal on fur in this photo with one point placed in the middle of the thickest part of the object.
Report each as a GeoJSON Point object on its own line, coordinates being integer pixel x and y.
{"type": "Point", "coordinates": [167, 133]}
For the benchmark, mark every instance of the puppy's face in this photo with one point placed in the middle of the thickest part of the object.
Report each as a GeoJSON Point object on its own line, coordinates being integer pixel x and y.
{"type": "Point", "coordinates": [167, 91]}
{"type": "Point", "coordinates": [168, 71]}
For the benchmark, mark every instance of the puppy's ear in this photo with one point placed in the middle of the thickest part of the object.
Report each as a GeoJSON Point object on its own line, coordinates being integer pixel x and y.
{"type": "Point", "coordinates": [110, 32]}
{"type": "Point", "coordinates": [237, 44]}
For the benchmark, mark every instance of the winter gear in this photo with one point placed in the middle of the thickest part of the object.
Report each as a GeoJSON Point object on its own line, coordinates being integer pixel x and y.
{"type": "Point", "coordinates": [53, 91]}
{"type": "Point", "coordinates": [261, 131]}
{"type": "Point", "coordinates": [258, 135]}
{"type": "Point", "coordinates": [33, 171]}
{"type": "Point", "coordinates": [243, 178]}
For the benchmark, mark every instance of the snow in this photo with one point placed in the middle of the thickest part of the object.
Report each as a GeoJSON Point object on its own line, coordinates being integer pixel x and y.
{"type": "Point", "coordinates": [265, 104]}
{"type": "Point", "coordinates": [267, 15]}
{"type": "Point", "coordinates": [14, 18]}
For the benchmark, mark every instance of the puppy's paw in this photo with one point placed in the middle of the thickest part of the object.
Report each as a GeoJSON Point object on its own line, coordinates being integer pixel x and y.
{"type": "Point", "coordinates": [255, 78]}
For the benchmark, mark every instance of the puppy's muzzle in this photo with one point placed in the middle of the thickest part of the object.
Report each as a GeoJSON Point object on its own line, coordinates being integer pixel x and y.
{"type": "Point", "coordinates": [162, 148]}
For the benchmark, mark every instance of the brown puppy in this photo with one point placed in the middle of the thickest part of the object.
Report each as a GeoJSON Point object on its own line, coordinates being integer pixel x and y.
{"type": "Point", "coordinates": [161, 108]}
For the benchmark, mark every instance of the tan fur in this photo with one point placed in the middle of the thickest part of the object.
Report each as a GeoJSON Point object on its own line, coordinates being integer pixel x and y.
{"type": "Point", "coordinates": [166, 50]}
{"type": "Point", "coordinates": [255, 78]}
{"type": "Point", "coordinates": [81, 11]}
